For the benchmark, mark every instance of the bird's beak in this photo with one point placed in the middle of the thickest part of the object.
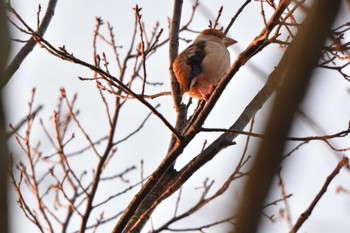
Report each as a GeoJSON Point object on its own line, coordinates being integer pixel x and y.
{"type": "Point", "coordinates": [228, 41]}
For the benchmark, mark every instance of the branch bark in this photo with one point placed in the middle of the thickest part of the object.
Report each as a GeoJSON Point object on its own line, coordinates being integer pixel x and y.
{"type": "Point", "coordinates": [164, 181]}
{"type": "Point", "coordinates": [139, 205]}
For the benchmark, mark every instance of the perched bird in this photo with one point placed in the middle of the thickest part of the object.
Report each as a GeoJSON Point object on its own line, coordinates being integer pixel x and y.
{"type": "Point", "coordinates": [201, 65]}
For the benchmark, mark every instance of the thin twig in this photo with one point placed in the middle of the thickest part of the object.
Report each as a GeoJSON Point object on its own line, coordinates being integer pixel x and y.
{"type": "Point", "coordinates": [17, 127]}
{"type": "Point", "coordinates": [236, 15]}
{"type": "Point", "coordinates": [143, 56]}
{"type": "Point", "coordinates": [285, 199]}
{"type": "Point", "coordinates": [306, 214]}
{"type": "Point", "coordinates": [29, 46]}
{"type": "Point", "coordinates": [340, 134]}
{"type": "Point", "coordinates": [63, 54]}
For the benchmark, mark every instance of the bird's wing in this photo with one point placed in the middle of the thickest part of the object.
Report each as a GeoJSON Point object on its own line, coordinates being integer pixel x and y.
{"type": "Point", "coordinates": [187, 66]}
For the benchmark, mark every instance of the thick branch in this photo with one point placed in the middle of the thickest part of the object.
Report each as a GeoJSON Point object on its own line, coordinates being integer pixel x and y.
{"type": "Point", "coordinates": [257, 45]}
{"type": "Point", "coordinates": [143, 200]}
{"type": "Point", "coordinates": [191, 130]}
{"type": "Point", "coordinates": [4, 156]}
{"type": "Point", "coordinates": [296, 66]}
{"type": "Point", "coordinates": [180, 109]}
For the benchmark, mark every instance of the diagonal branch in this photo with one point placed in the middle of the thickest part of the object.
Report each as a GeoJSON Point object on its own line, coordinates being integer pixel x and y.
{"type": "Point", "coordinates": [256, 46]}
{"type": "Point", "coordinates": [160, 175]}
{"type": "Point", "coordinates": [64, 55]}
{"type": "Point", "coordinates": [306, 214]}
{"type": "Point", "coordinates": [181, 110]}
{"type": "Point", "coordinates": [29, 46]}
{"type": "Point", "coordinates": [296, 68]}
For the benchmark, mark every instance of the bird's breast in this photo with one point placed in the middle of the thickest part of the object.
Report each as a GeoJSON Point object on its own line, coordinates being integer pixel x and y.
{"type": "Point", "coordinates": [215, 63]}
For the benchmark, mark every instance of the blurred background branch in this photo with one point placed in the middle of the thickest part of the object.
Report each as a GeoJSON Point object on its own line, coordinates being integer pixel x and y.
{"type": "Point", "coordinates": [30, 44]}
{"type": "Point", "coordinates": [4, 155]}
{"type": "Point", "coordinates": [296, 67]}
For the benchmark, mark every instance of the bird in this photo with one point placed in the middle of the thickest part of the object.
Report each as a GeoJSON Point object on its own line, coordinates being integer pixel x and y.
{"type": "Point", "coordinates": [199, 68]}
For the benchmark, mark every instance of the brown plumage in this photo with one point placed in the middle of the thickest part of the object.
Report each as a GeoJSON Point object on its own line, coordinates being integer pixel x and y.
{"type": "Point", "coordinates": [201, 65]}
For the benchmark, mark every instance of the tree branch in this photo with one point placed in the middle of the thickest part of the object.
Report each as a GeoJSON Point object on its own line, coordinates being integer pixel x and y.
{"type": "Point", "coordinates": [296, 67]}
{"type": "Point", "coordinates": [306, 214]}
{"type": "Point", "coordinates": [4, 155]}
{"type": "Point", "coordinates": [190, 132]}
{"type": "Point", "coordinates": [136, 204]}
{"type": "Point", "coordinates": [29, 46]}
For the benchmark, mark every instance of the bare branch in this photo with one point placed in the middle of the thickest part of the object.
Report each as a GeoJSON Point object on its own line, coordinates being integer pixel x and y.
{"type": "Point", "coordinates": [304, 52]}
{"type": "Point", "coordinates": [29, 46]}
{"type": "Point", "coordinates": [143, 56]}
{"type": "Point", "coordinates": [236, 15]}
{"type": "Point", "coordinates": [306, 214]}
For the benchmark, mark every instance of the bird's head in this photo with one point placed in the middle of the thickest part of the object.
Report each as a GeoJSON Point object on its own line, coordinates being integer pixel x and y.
{"type": "Point", "coordinates": [215, 35]}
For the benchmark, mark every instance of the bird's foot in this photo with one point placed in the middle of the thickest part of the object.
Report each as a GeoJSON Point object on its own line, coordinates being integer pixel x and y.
{"type": "Point", "coordinates": [210, 91]}
{"type": "Point", "coordinates": [205, 96]}
{"type": "Point", "coordinates": [211, 88]}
